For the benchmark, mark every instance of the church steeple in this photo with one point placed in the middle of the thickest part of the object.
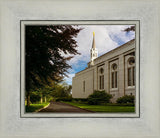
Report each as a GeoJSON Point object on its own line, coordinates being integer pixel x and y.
{"type": "Point", "coordinates": [94, 51]}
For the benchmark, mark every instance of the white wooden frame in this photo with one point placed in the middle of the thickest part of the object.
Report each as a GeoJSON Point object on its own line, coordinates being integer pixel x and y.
{"type": "Point", "coordinates": [12, 125]}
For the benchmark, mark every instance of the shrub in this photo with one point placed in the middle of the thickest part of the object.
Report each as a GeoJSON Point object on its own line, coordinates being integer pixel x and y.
{"type": "Point", "coordinates": [80, 99]}
{"type": "Point", "coordinates": [34, 97]}
{"type": "Point", "coordinates": [66, 99]}
{"type": "Point", "coordinates": [99, 97]}
{"type": "Point", "coordinates": [126, 99]}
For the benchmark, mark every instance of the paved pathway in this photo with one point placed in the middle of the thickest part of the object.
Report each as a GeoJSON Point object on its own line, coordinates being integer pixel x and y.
{"type": "Point", "coordinates": [63, 108]}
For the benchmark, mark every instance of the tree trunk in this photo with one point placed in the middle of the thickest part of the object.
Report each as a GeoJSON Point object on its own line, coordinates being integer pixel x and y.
{"type": "Point", "coordinates": [45, 99]}
{"type": "Point", "coordinates": [41, 99]}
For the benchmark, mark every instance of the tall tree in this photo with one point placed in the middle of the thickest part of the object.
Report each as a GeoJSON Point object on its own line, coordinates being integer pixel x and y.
{"type": "Point", "coordinates": [44, 46]}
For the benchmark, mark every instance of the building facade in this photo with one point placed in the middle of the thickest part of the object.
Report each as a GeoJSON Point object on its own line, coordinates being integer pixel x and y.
{"type": "Point", "coordinates": [113, 72]}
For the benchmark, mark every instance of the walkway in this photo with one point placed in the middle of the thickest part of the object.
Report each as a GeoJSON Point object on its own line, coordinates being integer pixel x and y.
{"type": "Point", "coordinates": [63, 108]}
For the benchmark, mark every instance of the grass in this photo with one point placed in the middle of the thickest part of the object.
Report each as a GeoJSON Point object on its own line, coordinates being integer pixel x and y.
{"type": "Point", "coordinates": [35, 107]}
{"type": "Point", "coordinates": [104, 108]}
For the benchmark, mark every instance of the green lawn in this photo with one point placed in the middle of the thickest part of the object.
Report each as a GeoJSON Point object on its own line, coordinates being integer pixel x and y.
{"type": "Point", "coordinates": [104, 108]}
{"type": "Point", "coordinates": [35, 107]}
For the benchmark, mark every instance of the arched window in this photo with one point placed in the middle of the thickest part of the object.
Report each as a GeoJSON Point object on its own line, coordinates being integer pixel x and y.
{"type": "Point", "coordinates": [114, 75]}
{"type": "Point", "coordinates": [131, 71]}
{"type": "Point", "coordinates": [101, 79]}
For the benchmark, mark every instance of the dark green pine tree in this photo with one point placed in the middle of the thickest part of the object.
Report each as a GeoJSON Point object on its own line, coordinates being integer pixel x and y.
{"type": "Point", "coordinates": [44, 61]}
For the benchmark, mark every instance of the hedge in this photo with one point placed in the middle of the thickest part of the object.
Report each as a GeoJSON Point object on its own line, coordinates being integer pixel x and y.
{"type": "Point", "coordinates": [126, 99]}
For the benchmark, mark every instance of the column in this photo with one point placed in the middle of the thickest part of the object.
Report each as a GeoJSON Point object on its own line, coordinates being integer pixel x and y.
{"type": "Point", "coordinates": [121, 76]}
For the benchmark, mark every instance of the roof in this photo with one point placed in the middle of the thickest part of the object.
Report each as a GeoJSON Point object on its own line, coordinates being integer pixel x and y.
{"type": "Point", "coordinates": [129, 42]}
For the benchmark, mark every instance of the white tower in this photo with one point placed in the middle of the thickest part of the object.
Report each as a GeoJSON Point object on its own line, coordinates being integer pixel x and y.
{"type": "Point", "coordinates": [94, 51]}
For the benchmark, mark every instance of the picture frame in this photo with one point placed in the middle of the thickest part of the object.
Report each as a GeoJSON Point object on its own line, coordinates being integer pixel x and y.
{"type": "Point", "coordinates": [13, 125]}
{"type": "Point", "coordinates": [24, 23]}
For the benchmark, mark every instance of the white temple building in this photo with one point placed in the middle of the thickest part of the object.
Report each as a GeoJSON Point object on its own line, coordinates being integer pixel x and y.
{"type": "Point", "coordinates": [113, 72]}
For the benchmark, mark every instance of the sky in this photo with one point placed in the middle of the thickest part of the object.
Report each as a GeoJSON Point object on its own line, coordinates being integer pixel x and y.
{"type": "Point", "coordinates": [107, 37]}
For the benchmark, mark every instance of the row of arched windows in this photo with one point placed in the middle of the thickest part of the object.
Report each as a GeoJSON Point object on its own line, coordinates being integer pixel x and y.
{"type": "Point", "coordinates": [114, 74]}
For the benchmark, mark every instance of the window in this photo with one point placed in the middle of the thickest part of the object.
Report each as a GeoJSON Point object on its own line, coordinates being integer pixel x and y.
{"type": "Point", "coordinates": [101, 70]}
{"type": "Point", "coordinates": [112, 79]}
{"type": "Point", "coordinates": [115, 79]}
{"type": "Point", "coordinates": [114, 66]}
{"type": "Point", "coordinates": [83, 86]}
{"type": "Point", "coordinates": [129, 76]}
{"type": "Point", "coordinates": [131, 71]}
{"type": "Point", "coordinates": [101, 79]}
{"type": "Point", "coordinates": [114, 76]}
{"type": "Point", "coordinates": [101, 82]}
{"type": "Point", "coordinates": [133, 75]}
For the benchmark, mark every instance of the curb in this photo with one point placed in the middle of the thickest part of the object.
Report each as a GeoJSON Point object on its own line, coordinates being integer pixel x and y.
{"type": "Point", "coordinates": [42, 108]}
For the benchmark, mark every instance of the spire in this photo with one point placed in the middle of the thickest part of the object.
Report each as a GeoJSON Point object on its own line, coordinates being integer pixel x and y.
{"type": "Point", "coordinates": [94, 51]}
{"type": "Point", "coordinates": [93, 43]}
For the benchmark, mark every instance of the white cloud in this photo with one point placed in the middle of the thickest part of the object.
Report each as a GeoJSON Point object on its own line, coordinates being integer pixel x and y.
{"type": "Point", "coordinates": [69, 78]}
{"type": "Point", "coordinates": [117, 32]}
{"type": "Point", "coordinates": [104, 39]}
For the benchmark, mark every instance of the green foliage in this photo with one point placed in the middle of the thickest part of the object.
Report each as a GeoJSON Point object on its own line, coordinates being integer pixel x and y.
{"type": "Point", "coordinates": [119, 104]}
{"type": "Point", "coordinates": [59, 90]}
{"type": "Point", "coordinates": [67, 99]}
{"type": "Point", "coordinates": [126, 99]}
{"type": "Point", "coordinates": [109, 108]}
{"type": "Point", "coordinates": [80, 99]}
{"type": "Point", "coordinates": [35, 97]}
{"type": "Point", "coordinates": [44, 46]}
{"type": "Point", "coordinates": [35, 107]}
{"type": "Point", "coordinates": [56, 91]}
{"type": "Point", "coordinates": [99, 97]}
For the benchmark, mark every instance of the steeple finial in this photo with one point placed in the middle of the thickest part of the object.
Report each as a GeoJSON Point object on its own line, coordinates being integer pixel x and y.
{"type": "Point", "coordinates": [93, 33]}
{"type": "Point", "coordinates": [93, 43]}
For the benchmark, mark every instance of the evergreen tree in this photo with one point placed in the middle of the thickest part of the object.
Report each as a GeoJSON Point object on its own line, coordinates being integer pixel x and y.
{"type": "Point", "coordinates": [44, 61]}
